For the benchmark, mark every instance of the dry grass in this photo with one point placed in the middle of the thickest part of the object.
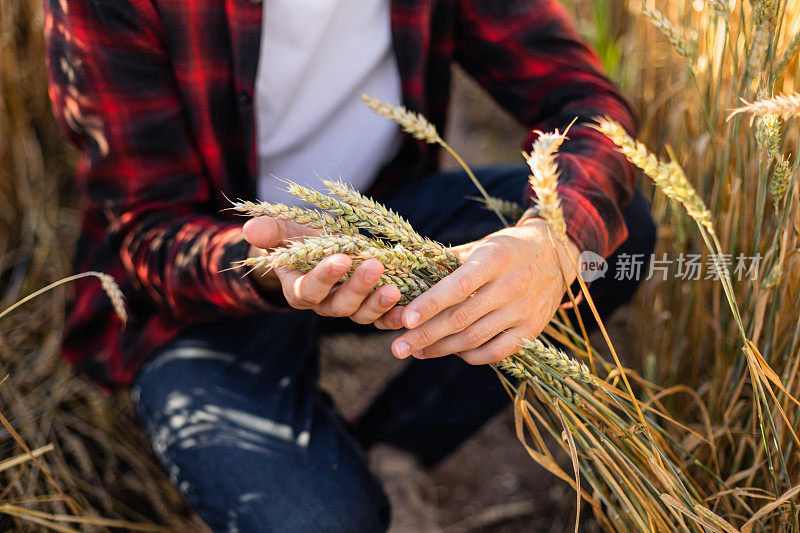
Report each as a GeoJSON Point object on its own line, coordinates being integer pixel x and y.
{"type": "Point", "coordinates": [89, 446]}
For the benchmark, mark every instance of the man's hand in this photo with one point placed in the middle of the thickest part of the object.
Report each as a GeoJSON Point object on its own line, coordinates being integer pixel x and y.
{"type": "Point", "coordinates": [315, 289]}
{"type": "Point", "coordinates": [509, 286]}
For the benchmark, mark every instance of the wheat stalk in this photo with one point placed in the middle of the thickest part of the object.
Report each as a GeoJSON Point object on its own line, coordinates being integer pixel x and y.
{"type": "Point", "coordinates": [586, 417]}
{"type": "Point", "coordinates": [319, 247]}
{"type": "Point", "coordinates": [353, 216]}
{"type": "Point", "coordinates": [358, 211]}
{"type": "Point", "coordinates": [764, 22]}
{"type": "Point", "coordinates": [410, 284]}
{"type": "Point", "coordinates": [308, 252]}
{"type": "Point", "coordinates": [557, 360]}
{"type": "Point", "coordinates": [114, 293]}
{"type": "Point", "coordinates": [532, 372]}
{"type": "Point", "coordinates": [758, 55]}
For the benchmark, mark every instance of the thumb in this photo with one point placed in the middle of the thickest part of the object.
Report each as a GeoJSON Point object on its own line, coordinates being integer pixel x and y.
{"type": "Point", "coordinates": [266, 232]}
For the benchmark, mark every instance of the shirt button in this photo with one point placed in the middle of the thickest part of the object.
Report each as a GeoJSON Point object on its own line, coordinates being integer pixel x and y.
{"type": "Point", "coordinates": [245, 98]}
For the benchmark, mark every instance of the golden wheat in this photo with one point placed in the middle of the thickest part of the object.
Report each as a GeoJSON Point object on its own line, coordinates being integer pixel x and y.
{"type": "Point", "coordinates": [783, 105]}
{"type": "Point", "coordinates": [544, 181]}
{"type": "Point", "coordinates": [667, 176]}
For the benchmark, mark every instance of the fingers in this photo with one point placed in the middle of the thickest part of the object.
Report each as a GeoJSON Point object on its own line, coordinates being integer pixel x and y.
{"type": "Point", "coordinates": [451, 290]}
{"type": "Point", "coordinates": [315, 290]}
{"type": "Point", "coordinates": [376, 305]}
{"type": "Point", "coordinates": [266, 232]}
{"type": "Point", "coordinates": [451, 321]}
{"type": "Point", "coordinates": [474, 336]}
{"type": "Point", "coordinates": [347, 299]}
{"type": "Point", "coordinates": [497, 349]}
{"type": "Point", "coordinates": [391, 319]}
{"type": "Point", "coordinates": [305, 291]}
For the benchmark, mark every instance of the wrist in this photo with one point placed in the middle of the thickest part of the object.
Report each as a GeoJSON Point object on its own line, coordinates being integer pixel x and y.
{"type": "Point", "coordinates": [566, 251]}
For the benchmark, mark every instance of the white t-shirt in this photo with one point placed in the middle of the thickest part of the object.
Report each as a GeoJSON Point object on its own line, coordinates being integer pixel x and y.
{"type": "Point", "coordinates": [316, 58]}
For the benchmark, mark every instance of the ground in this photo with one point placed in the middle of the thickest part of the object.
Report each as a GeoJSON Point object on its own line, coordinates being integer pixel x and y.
{"type": "Point", "coordinates": [489, 484]}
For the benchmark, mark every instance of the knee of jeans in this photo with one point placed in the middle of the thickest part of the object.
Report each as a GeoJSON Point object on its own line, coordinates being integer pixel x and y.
{"type": "Point", "coordinates": [349, 511]}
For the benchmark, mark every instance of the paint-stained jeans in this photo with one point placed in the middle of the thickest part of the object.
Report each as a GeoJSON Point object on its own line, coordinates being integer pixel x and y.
{"type": "Point", "coordinates": [237, 420]}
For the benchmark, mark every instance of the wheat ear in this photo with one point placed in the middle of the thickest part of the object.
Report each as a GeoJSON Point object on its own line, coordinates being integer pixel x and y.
{"type": "Point", "coordinates": [783, 105]}
{"type": "Point", "coordinates": [305, 255]}
{"type": "Point", "coordinates": [418, 126]}
{"type": "Point", "coordinates": [764, 22]}
{"type": "Point", "coordinates": [512, 210]}
{"type": "Point", "coordinates": [780, 180]}
{"type": "Point", "coordinates": [357, 246]}
{"type": "Point", "coordinates": [788, 55]}
{"type": "Point", "coordinates": [557, 360]}
{"type": "Point", "coordinates": [667, 176]}
{"type": "Point", "coordinates": [107, 283]}
{"type": "Point", "coordinates": [538, 362]}
{"type": "Point", "coordinates": [768, 134]}
{"type": "Point", "coordinates": [388, 223]}
{"type": "Point", "coordinates": [412, 123]}
{"type": "Point", "coordinates": [312, 218]}
{"type": "Point", "coordinates": [544, 181]}
{"type": "Point", "coordinates": [675, 38]}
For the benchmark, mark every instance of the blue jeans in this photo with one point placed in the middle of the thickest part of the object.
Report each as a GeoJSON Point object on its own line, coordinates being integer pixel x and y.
{"type": "Point", "coordinates": [238, 422]}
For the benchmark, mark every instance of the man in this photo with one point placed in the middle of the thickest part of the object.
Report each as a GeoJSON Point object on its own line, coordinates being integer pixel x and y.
{"type": "Point", "coordinates": [176, 105]}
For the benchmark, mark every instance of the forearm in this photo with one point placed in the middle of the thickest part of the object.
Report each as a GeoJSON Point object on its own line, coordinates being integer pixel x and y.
{"type": "Point", "coordinates": [185, 263]}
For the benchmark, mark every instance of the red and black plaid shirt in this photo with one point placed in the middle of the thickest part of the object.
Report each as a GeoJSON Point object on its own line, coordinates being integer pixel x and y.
{"type": "Point", "coordinates": [157, 95]}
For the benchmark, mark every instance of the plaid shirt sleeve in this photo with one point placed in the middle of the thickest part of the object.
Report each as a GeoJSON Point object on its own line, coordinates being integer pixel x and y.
{"type": "Point", "coordinates": [114, 94]}
{"type": "Point", "coordinates": [530, 59]}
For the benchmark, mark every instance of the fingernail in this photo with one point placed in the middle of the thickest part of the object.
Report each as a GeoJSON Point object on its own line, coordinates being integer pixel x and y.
{"type": "Point", "coordinates": [402, 349]}
{"type": "Point", "coordinates": [386, 301]}
{"type": "Point", "coordinates": [412, 319]}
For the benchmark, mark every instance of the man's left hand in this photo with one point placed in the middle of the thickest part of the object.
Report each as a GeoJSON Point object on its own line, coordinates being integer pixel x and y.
{"type": "Point", "coordinates": [508, 287]}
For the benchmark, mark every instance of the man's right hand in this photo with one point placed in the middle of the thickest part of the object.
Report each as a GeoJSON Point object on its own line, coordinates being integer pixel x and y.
{"type": "Point", "coordinates": [316, 289]}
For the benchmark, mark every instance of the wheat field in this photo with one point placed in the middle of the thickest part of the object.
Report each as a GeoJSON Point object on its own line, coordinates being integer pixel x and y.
{"type": "Point", "coordinates": [697, 431]}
